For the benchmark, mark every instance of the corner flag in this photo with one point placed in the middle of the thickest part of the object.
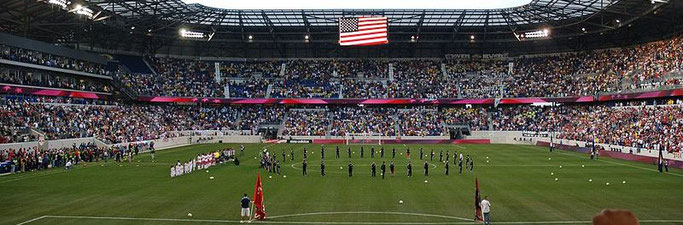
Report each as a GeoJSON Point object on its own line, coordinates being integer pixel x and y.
{"type": "Point", "coordinates": [477, 200]}
{"type": "Point", "coordinates": [260, 212]}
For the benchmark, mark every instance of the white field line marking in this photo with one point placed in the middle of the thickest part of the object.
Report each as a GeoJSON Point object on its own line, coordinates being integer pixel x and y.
{"type": "Point", "coordinates": [307, 222]}
{"type": "Point", "coordinates": [460, 147]}
{"type": "Point", "coordinates": [31, 220]}
{"type": "Point", "coordinates": [391, 213]}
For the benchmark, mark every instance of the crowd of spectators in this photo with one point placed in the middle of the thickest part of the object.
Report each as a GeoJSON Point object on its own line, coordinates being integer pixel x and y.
{"type": "Point", "coordinates": [35, 57]}
{"type": "Point", "coordinates": [357, 120]}
{"type": "Point", "coordinates": [50, 79]}
{"type": "Point", "coordinates": [420, 121]}
{"type": "Point", "coordinates": [476, 118]}
{"type": "Point", "coordinates": [306, 122]}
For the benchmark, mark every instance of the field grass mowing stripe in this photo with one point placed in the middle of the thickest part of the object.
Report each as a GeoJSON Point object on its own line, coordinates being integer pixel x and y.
{"type": "Point", "coordinates": [311, 222]}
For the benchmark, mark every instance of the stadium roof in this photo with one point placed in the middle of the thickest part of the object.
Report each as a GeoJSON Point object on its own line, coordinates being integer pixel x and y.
{"type": "Point", "coordinates": [361, 4]}
{"type": "Point", "coordinates": [551, 12]}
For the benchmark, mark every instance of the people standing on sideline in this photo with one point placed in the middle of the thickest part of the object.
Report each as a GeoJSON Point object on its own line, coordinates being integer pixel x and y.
{"type": "Point", "coordinates": [305, 166]}
{"type": "Point", "coordinates": [426, 168]}
{"type": "Point", "coordinates": [245, 203]}
{"type": "Point", "coordinates": [350, 169]}
{"type": "Point", "coordinates": [486, 210]}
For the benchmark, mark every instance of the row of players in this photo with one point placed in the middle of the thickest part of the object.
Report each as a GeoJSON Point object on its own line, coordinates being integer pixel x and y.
{"type": "Point", "coordinates": [202, 161]}
{"type": "Point", "coordinates": [271, 164]}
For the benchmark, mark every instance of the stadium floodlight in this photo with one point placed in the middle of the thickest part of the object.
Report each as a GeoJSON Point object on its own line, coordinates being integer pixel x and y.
{"type": "Point", "coordinates": [472, 37]}
{"type": "Point", "coordinates": [83, 10]}
{"type": "Point", "coordinates": [618, 21]}
{"type": "Point", "coordinates": [60, 3]}
{"type": "Point", "coordinates": [534, 34]}
{"type": "Point", "coordinates": [191, 34]}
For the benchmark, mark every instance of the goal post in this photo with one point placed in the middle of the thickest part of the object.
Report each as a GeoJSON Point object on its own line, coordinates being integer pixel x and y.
{"type": "Point", "coordinates": [364, 139]}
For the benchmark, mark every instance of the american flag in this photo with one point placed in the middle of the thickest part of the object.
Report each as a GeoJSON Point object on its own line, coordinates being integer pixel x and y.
{"type": "Point", "coordinates": [361, 31]}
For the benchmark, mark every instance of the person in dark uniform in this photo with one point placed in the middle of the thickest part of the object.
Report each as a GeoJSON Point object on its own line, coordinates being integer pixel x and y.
{"type": "Point", "coordinates": [348, 151]}
{"type": "Point", "coordinates": [460, 165]}
{"type": "Point", "coordinates": [384, 169]}
{"type": "Point", "coordinates": [277, 167]}
{"type": "Point", "coordinates": [471, 165]}
{"type": "Point", "coordinates": [322, 168]}
{"type": "Point", "coordinates": [448, 156]}
{"type": "Point", "coordinates": [350, 169]}
{"type": "Point", "coordinates": [446, 168]}
{"type": "Point", "coordinates": [467, 160]}
{"type": "Point", "coordinates": [410, 169]}
{"type": "Point", "coordinates": [408, 152]}
{"type": "Point", "coordinates": [441, 156]}
{"type": "Point", "coordinates": [362, 151]}
{"type": "Point", "coordinates": [374, 169]}
{"type": "Point", "coordinates": [426, 168]}
{"type": "Point", "coordinates": [381, 152]}
{"type": "Point", "coordinates": [337, 152]}
{"type": "Point", "coordinates": [284, 156]}
{"type": "Point", "coordinates": [391, 168]}
{"type": "Point", "coordinates": [393, 153]}
{"type": "Point", "coordinates": [291, 154]}
{"type": "Point", "coordinates": [421, 153]}
{"type": "Point", "coordinates": [372, 152]}
{"type": "Point", "coordinates": [431, 155]}
{"type": "Point", "coordinates": [305, 166]}
{"type": "Point", "coordinates": [322, 152]}
{"type": "Point", "coordinates": [666, 165]}
{"type": "Point", "coordinates": [305, 153]}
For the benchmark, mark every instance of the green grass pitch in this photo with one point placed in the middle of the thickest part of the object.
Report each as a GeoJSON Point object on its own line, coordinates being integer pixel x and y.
{"type": "Point", "coordinates": [519, 180]}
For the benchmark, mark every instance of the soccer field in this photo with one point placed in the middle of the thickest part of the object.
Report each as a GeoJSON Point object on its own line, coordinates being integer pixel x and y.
{"type": "Point", "coordinates": [525, 184]}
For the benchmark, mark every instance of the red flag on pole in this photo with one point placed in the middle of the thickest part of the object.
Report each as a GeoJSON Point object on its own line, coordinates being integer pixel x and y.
{"type": "Point", "coordinates": [477, 200]}
{"type": "Point", "coordinates": [260, 212]}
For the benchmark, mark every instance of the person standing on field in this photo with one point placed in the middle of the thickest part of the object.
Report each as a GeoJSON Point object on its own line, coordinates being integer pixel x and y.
{"type": "Point", "coordinates": [486, 210]}
{"type": "Point", "coordinates": [374, 169]}
{"type": "Point", "coordinates": [305, 166]}
{"type": "Point", "coordinates": [426, 168]}
{"type": "Point", "coordinates": [410, 169]}
{"type": "Point", "coordinates": [245, 203]}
